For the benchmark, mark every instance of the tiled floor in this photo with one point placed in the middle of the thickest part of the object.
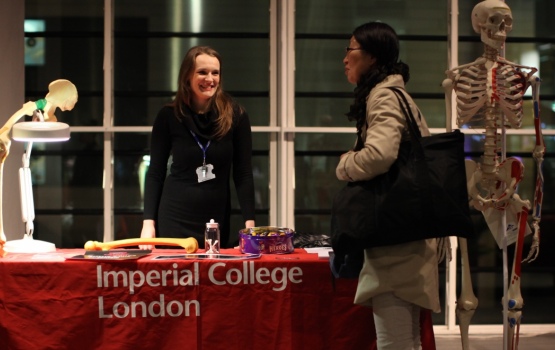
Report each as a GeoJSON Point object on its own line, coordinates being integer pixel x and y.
{"type": "Point", "coordinates": [489, 342]}
{"type": "Point", "coordinates": [531, 338]}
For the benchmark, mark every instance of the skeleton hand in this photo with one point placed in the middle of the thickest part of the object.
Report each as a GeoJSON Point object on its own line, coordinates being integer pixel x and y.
{"type": "Point", "coordinates": [535, 248]}
{"type": "Point", "coordinates": [539, 152]}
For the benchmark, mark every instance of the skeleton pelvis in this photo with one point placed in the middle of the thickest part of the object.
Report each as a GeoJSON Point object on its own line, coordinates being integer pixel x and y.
{"type": "Point", "coordinates": [493, 191]}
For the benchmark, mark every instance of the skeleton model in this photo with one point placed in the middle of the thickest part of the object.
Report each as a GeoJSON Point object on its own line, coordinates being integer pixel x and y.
{"type": "Point", "coordinates": [489, 94]}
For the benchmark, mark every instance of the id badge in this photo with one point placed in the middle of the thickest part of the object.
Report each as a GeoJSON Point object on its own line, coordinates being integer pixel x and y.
{"type": "Point", "coordinates": [204, 173]}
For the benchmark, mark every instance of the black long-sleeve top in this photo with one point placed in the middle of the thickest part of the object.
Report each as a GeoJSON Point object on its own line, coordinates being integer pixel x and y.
{"type": "Point", "coordinates": [180, 205]}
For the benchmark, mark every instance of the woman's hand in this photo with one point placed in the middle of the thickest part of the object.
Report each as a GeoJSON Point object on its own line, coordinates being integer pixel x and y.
{"type": "Point", "coordinates": [148, 231]}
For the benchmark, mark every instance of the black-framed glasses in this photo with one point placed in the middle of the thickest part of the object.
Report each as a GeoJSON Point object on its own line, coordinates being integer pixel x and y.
{"type": "Point", "coordinates": [349, 49]}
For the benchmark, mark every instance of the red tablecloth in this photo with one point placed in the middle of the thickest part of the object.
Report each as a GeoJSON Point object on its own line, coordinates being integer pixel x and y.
{"type": "Point", "coordinates": [274, 302]}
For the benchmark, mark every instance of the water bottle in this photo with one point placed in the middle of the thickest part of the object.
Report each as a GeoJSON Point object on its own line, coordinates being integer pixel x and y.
{"type": "Point", "coordinates": [212, 237]}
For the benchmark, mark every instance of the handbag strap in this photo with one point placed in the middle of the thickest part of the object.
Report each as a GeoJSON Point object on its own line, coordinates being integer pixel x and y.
{"type": "Point", "coordinates": [421, 167]}
{"type": "Point", "coordinates": [407, 111]}
{"type": "Point", "coordinates": [414, 130]}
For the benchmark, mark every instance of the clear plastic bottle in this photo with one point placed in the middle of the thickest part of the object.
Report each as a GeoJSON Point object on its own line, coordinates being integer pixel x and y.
{"type": "Point", "coordinates": [212, 237]}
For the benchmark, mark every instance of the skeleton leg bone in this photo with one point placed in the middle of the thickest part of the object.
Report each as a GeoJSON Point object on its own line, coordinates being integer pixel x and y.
{"type": "Point", "coordinates": [514, 300]}
{"type": "Point", "coordinates": [467, 301]}
{"type": "Point", "coordinates": [497, 194]}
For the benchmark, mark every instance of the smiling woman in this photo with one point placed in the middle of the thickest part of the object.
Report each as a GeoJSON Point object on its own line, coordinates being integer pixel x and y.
{"type": "Point", "coordinates": [208, 134]}
{"type": "Point", "coordinates": [204, 82]}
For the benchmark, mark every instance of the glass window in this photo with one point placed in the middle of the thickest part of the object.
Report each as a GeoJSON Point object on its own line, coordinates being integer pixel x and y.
{"type": "Point", "coordinates": [196, 16]}
{"type": "Point", "coordinates": [65, 39]}
{"type": "Point", "coordinates": [149, 44]}
{"type": "Point", "coordinates": [333, 17]}
{"type": "Point", "coordinates": [323, 97]}
{"type": "Point", "coordinates": [72, 48]}
{"type": "Point", "coordinates": [147, 68]}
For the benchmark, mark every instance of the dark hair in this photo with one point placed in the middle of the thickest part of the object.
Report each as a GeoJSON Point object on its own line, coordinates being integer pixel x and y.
{"type": "Point", "coordinates": [221, 102]}
{"type": "Point", "coordinates": [379, 40]}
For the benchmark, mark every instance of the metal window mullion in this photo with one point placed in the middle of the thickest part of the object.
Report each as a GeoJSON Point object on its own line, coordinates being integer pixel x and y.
{"type": "Point", "coordinates": [108, 120]}
{"type": "Point", "coordinates": [286, 113]}
{"type": "Point", "coordinates": [273, 138]}
{"type": "Point", "coordinates": [451, 265]}
{"type": "Point", "coordinates": [282, 170]}
{"type": "Point", "coordinates": [281, 108]}
{"type": "Point", "coordinates": [290, 116]}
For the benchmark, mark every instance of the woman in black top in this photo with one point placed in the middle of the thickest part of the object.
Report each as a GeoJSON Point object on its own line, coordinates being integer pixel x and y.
{"type": "Point", "coordinates": [208, 136]}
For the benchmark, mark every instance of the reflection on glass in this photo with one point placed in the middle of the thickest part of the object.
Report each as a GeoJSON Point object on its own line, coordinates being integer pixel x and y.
{"type": "Point", "coordinates": [34, 46]}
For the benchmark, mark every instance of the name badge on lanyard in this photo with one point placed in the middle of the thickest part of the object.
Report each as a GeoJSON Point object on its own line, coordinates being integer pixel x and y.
{"type": "Point", "coordinates": [204, 172]}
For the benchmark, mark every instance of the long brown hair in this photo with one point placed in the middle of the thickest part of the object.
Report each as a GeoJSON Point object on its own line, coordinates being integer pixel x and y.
{"type": "Point", "coordinates": [221, 103]}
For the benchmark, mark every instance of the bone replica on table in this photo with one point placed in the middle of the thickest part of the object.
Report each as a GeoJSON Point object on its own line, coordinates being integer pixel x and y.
{"type": "Point", "coordinates": [489, 94]}
{"type": "Point", "coordinates": [189, 244]}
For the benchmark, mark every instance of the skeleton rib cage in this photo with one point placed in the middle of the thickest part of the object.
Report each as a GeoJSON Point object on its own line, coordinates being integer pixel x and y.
{"type": "Point", "coordinates": [477, 86]}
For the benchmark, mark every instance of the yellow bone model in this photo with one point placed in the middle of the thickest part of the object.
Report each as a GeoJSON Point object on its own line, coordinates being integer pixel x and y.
{"type": "Point", "coordinates": [189, 244]}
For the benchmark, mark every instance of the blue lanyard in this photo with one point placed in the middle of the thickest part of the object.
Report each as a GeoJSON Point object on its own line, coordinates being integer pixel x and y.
{"type": "Point", "coordinates": [203, 148]}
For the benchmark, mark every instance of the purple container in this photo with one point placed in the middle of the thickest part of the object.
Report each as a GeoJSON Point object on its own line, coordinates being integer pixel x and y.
{"type": "Point", "coordinates": [266, 240]}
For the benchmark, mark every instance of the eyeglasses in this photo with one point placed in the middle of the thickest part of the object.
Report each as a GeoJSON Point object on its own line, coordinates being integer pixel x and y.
{"type": "Point", "coordinates": [349, 49]}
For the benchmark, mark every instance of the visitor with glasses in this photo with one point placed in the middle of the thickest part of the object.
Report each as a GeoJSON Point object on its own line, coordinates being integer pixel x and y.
{"type": "Point", "coordinates": [397, 281]}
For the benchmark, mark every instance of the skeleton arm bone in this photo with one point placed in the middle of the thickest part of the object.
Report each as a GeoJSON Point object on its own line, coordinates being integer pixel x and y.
{"type": "Point", "coordinates": [538, 155]}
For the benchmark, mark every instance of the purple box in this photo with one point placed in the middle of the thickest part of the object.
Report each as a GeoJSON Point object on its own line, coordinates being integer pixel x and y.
{"type": "Point", "coordinates": [266, 240]}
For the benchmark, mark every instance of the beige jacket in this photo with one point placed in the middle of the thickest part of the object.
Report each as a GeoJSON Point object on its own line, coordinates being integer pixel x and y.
{"type": "Point", "coordinates": [386, 128]}
{"type": "Point", "coordinates": [408, 270]}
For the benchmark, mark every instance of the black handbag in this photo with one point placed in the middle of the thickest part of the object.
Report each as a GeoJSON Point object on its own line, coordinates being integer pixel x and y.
{"type": "Point", "coordinates": [423, 195]}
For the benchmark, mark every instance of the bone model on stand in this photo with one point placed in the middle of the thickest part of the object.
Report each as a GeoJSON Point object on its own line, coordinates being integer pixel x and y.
{"type": "Point", "coordinates": [489, 94]}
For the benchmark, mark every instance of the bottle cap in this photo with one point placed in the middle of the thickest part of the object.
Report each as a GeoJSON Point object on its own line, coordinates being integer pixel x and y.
{"type": "Point", "coordinates": [212, 224]}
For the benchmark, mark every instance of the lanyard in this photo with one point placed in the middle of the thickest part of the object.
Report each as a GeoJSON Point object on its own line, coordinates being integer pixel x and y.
{"type": "Point", "coordinates": [203, 148]}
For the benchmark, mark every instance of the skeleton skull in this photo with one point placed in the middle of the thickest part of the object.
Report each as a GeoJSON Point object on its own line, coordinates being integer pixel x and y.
{"type": "Point", "coordinates": [492, 19]}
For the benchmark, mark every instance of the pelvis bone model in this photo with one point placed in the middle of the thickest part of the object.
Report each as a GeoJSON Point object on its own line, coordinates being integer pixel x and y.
{"type": "Point", "coordinates": [489, 95]}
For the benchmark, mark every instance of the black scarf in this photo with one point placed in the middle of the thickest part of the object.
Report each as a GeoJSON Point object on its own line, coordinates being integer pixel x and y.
{"type": "Point", "coordinates": [203, 125]}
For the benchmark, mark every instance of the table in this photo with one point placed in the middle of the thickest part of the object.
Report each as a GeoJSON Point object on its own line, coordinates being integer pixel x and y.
{"type": "Point", "coordinates": [274, 302]}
